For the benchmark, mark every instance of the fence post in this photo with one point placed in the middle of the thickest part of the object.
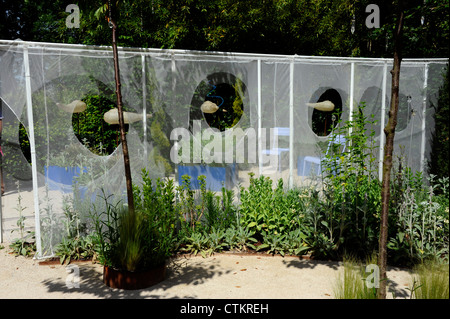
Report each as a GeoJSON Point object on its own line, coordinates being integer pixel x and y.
{"type": "Point", "coordinates": [424, 119]}
{"type": "Point", "coordinates": [144, 109]}
{"type": "Point", "coordinates": [259, 118]}
{"type": "Point", "coordinates": [291, 123]}
{"type": "Point", "coordinates": [382, 123]}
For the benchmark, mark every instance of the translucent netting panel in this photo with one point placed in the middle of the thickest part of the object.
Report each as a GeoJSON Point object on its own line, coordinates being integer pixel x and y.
{"type": "Point", "coordinates": [15, 169]}
{"type": "Point", "coordinates": [275, 117]}
{"type": "Point", "coordinates": [368, 95]}
{"type": "Point", "coordinates": [370, 100]}
{"type": "Point", "coordinates": [68, 166]}
{"type": "Point", "coordinates": [218, 137]}
{"type": "Point", "coordinates": [317, 82]}
{"type": "Point", "coordinates": [435, 75]}
{"type": "Point", "coordinates": [195, 78]}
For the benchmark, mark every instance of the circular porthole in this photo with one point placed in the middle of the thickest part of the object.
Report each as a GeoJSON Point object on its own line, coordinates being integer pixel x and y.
{"type": "Point", "coordinates": [219, 100]}
{"type": "Point", "coordinates": [81, 102]}
{"type": "Point", "coordinates": [16, 154]}
{"type": "Point", "coordinates": [90, 128]}
{"type": "Point", "coordinates": [329, 103]}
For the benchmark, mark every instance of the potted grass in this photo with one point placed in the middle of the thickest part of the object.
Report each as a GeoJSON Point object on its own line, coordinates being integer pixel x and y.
{"type": "Point", "coordinates": [133, 246]}
{"type": "Point", "coordinates": [134, 241]}
{"type": "Point", "coordinates": [199, 156]}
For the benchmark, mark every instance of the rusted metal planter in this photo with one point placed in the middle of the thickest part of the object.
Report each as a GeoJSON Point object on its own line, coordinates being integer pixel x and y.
{"type": "Point", "coordinates": [130, 280]}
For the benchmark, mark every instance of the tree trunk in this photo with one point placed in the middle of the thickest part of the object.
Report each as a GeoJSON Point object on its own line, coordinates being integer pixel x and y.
{"type": "Point", "coordinates": [123, 137]}
{"type": "Point", "coordinates": [389, 131]}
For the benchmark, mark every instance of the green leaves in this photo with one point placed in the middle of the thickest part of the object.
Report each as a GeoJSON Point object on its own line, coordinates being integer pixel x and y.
{"type": "Point", "coordinates": [252, 224]}
{"type": "Point", "coordinates": [286, 27]}
{"type": "Point", "coordinates": [418, 218]}
{"type": "Point", "coordinates": [91, 129]}
{"type": "Point", "coordinates": [76, 248]}
{"type": "Point", "coordinates": [292, 243]}
{"type": "Point", "coordinates": [266, 209]}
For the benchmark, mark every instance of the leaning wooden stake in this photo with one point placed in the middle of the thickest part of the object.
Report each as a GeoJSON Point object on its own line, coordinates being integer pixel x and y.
{"type": "Point", "coordinates": [123, 137]}
{"type": "Point", "coordinates": [389, 131]}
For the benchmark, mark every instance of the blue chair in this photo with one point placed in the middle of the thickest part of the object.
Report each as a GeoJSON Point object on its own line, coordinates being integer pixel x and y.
{"type": "Point", "coordinates": [337, 140]}
{"type": "Point", "coordinates": [278, 131]}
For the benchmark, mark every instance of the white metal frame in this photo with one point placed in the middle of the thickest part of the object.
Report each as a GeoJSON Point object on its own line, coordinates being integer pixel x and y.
{"type": "Point", "coordinates": [33, 151]}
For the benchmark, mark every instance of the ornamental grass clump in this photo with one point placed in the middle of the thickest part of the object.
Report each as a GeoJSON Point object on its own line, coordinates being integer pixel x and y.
{"type": "Point", "coordinates": [129, 250]}
{"type": "Point", "coordinates": [354, 282]}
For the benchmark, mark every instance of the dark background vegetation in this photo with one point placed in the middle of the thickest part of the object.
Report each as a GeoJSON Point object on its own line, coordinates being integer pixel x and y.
{"type": "Point", "coordinates": [303, 27]}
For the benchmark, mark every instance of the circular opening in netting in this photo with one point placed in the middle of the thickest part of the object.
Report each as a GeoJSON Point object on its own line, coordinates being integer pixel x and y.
{"type": "Point", "coordinates": [326, 112]}
{"type": "Point", "coordinates": [219, 100]}
{"type": "Point", "coordinates": [91, 129]}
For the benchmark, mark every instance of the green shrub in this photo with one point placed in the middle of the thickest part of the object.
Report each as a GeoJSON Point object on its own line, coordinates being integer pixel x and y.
{"type": "Point", "coordinates": [418, 218]}
{"type": "Point", "coordinates": [156, 202]}
{"type": "Point", "coordinates": [220, 212]}
{"type": "Point", "coordinates": [344, 216]}
{"type": "Point", "coordinates": [265, 209]}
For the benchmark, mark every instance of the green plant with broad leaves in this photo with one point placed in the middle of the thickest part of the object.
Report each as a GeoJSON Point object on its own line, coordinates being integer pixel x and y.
{"type": "Point", "coordinates": [215, 240]}
{"type": "Point", "coordinates": [77, 243]}
{"type": "Point", "coordinates": [294, 242]}
{"type": "Point", "coordinates": [273, 243]}
{"type": "Point", "coordinates": [266, 210]}
{"type": "Point", "coordinates": [195, 244]}
{"type": "Point", "coordinates": [78, 248]}
{"type": "Point", "coordinates": [420, 221]}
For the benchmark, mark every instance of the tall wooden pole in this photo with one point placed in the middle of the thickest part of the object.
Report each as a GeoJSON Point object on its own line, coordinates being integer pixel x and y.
{"type": "Point", "coordinates": [389, 131]}
{"type": "Point", "coordinates": [123, 137]}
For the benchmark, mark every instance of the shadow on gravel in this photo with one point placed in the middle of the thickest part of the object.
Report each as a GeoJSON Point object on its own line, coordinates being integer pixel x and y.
{"type": "Point", "coordinates": [309, 263]}
{"type": "Point", "coordinates": [91, 285]}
